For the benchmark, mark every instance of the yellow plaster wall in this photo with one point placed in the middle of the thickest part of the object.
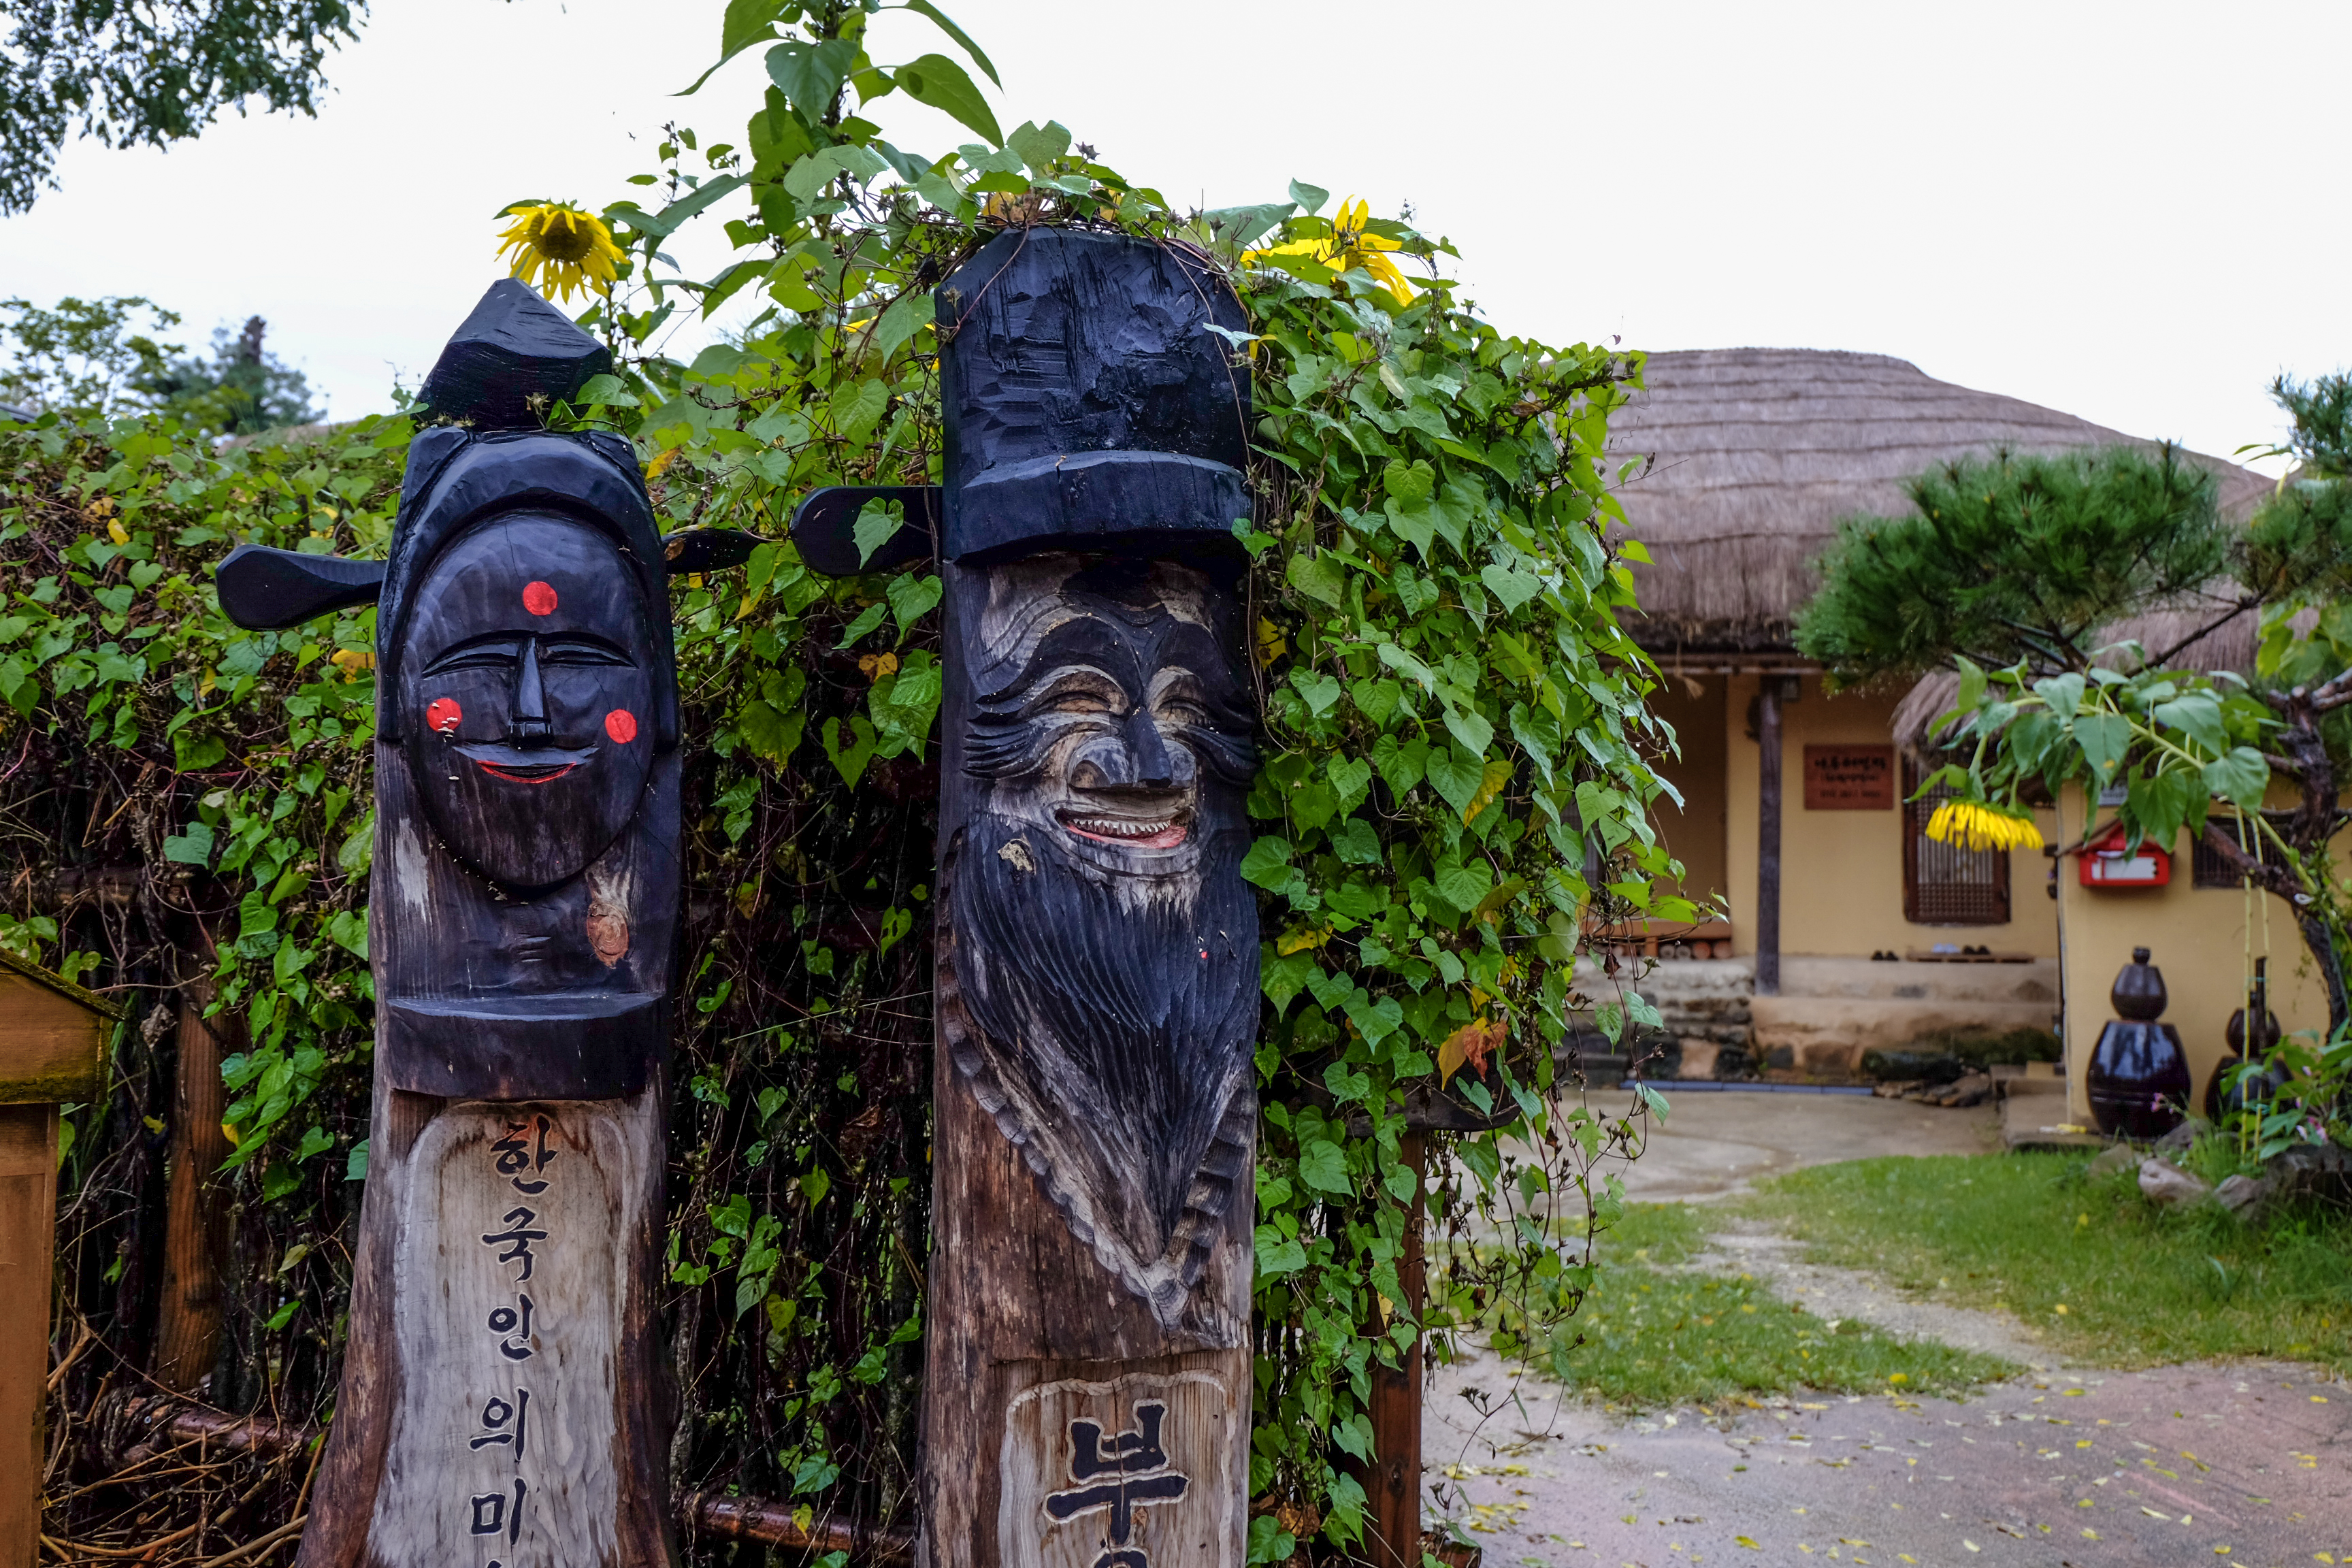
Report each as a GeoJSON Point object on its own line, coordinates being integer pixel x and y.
{"type": "Point", "coordinates": [1842, 871]}
{"type": "Point", "coordinates": [2198, 937]}
{"type": "Point", "coordinates": [1694, 832]}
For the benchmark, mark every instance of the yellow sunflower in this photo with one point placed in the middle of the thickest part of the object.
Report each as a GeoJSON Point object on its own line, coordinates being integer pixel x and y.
{"type": "Point", "coordinates": [1974, 825]}
{"type": "Point", "coordinates": [1349, 245]}
{"type": "Point", "coordinates": [559, 249]}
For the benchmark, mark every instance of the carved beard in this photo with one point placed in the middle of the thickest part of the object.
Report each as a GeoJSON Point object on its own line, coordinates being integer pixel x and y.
{"type": "Point", "coordinates": [1111, 1038]}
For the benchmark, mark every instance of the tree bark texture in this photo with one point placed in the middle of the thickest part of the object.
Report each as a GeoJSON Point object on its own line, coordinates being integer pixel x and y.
{"type": "Point", "coordinates": [1393, 1482]}
{"type": "Point", "coordinates": [196, 1214]}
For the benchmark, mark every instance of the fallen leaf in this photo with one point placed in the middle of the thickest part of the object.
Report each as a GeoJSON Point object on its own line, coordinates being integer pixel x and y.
{"type": "Point", "coordinates": [1744, 1540]}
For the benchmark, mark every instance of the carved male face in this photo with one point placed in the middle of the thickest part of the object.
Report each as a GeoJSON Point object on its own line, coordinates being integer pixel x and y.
{"type": "Point", "coordinates": [1106, 944]}
{"type": "Point", "coordinates": [526, 697]}
{"type": "Point", "coordinates": [1106, 703]}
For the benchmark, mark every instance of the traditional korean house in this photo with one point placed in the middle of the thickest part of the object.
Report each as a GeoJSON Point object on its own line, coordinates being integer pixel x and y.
{"type": "Point", "coordinates": [1867, 935]}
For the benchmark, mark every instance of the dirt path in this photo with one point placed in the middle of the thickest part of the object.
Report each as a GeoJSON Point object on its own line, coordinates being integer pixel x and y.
{"type": "Point", "coordinates": [2064, 1467]}
{"type": "Point", "coordinates": [2243, 1465]}
{"type": "Point", "coordinates": [1749, 1246]}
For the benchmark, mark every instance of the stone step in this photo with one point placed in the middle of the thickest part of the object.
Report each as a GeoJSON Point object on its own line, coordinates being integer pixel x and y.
{"type": "Point", "coordinates": [1705, 983]}
{"type": "Point", "coordinates": [1825, 1037]}
{"type": "Point", "coordinates": [1907, 981]}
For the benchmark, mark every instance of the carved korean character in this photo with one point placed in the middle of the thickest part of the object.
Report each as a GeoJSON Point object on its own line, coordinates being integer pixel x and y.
{"type": "Point", "coordinates": [506, 1422]}
{"type": "Point", "coordinates": [512, 1325]}
{"type": "Point", "coordinates": [517, 1240]}
{"type": "Point", "coordinates": [494, 1515]}
{"type": "Point", "coordinates": [516, 1156]}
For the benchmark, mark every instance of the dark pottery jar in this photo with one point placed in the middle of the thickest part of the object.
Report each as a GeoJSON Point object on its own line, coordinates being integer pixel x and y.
{"type": "Point", "coordinates": [2138, 1079]}
{"type": "Point", "coordinates": [2261, 1086]}
{"type": "Point", "coordinates": [2138, 991]}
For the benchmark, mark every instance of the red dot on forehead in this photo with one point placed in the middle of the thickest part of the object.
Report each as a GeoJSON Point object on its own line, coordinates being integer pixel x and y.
{"type": "Point", "coordinates": [622, 725]}
{"type": "Point", "coordinates": [538, 598]}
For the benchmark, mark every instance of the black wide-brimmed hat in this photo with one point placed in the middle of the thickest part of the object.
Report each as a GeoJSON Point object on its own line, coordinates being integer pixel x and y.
{"type": "Point", "coordinates": [1089, 401]}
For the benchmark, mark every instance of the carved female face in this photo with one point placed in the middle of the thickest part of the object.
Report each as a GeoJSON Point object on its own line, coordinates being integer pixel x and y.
{"type": "Point", "coordinates": [526, 697]}
{"type": "Point", "coordinates": [1108, 711]}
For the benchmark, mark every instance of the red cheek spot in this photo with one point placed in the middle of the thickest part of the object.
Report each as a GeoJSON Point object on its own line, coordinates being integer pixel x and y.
{"type": "Point", "coordinates": [622, 725]}
{"type": "Point", "coordinates": [443, 716]}
{"type": "Point", "coordinates": [538, 598]}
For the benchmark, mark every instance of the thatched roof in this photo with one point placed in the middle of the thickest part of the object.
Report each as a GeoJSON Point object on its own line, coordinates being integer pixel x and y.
{"type": "Point", "coordinates": [1758, 453]}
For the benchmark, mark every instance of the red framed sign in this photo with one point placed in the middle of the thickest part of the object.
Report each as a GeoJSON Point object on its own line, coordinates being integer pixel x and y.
{"type": "Point", "coordinates": [2103, 864]}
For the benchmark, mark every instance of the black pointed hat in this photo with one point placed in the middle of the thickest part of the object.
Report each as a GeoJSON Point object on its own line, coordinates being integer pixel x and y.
{"type": "Point", "coordinates": [514, 349]}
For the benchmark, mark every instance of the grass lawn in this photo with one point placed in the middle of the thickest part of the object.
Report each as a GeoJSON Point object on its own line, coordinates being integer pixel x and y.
{"type": "Point", "coordinates": [1657, 1334]}
{"type": "Point", "coordinates": [2111, 1279]}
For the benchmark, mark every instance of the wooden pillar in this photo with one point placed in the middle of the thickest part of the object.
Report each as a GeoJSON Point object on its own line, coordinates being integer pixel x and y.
{"type": "Point", "coordinates": [195, 1218]}
{"type": "Point", "coordinates": [1088, 1361]}
{"type": "Point", "coordinates": [1394, 1486]}
{"type": "Point", "coordinates": [52, 1045]}
{"type": "Point", "coordinates": [1768, 837]}
{"type": "Point", "coordinates": [504, 1401]}
{"type": "Point", "coordinates": [28, 1203]}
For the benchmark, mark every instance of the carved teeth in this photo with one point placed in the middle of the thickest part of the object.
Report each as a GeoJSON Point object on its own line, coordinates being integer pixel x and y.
{"type": "Point", "coordinates": [1115, 827]}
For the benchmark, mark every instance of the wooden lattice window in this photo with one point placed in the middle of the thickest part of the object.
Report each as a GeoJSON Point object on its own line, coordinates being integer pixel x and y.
{"type": "Point", "coordinates": [1943, 884]}
{"type": "Point", "coordinates": [2207, 868]}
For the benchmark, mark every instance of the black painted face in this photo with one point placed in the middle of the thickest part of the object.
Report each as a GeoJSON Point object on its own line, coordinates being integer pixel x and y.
{"type": "Point", "coordinates": [1110, 717]}
{"type": "Point", "coordinates": [526, 697]}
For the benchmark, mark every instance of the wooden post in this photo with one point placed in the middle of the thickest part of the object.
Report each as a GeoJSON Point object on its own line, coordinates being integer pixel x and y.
{"type": "Point", "coordinates": [1394, 1485]}
{"type": "Point", "coordinates": [1088, 1351]}
{"type": "Point", "coordinates": [195, 1217]}
{"type": "Point", "coordinates": [52, 1050]}
{"type": "Point", "coordinates": [1768, 837]}
{"type": "Point", "coordinates": [504, 1402]}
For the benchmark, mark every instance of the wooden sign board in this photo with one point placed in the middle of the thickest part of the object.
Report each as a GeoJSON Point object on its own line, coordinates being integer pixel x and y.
{"type": "Point", "coordinates": [1849, 778]}
{"type": "Point", "coordinates": [52, 1036]}
{"type": "Point", "coordinates": [52, 1049]}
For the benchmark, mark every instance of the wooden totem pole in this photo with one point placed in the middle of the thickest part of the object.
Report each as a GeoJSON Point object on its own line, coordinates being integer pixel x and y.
{"type": "Point", "coordinates": [503, 1404]}
{"type": "Point", "coordinates": [1088, 1385]}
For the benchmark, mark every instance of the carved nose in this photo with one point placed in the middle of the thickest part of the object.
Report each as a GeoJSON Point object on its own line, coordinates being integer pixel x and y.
{"type": "Point", "coordinates": [528, 724]}
{"type": "Point", "coordinates": [1135, 757]}
{"type": "Point", "coordinates": [1154, 768]}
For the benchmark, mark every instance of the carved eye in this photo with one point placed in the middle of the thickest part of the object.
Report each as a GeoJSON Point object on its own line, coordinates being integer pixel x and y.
{"type": "Point", "coordinates": [1081, 691]}
{"type": "Point", "coordinates": [1178, 701]}
{"type": "Point", "coordinates": [1182, 710]}
{"type": "Point", "coordinates": [486, 654]}
{"type": "Point", "coordinates": [580, 651]}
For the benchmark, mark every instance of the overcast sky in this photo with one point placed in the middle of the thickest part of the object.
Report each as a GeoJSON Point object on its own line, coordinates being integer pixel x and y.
{"type": "Point", "coordinates": [2123, 211]}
